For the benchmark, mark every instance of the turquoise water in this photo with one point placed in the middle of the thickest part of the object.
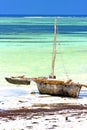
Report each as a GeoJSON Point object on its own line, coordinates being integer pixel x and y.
{"type": "Point", "coordinates": [26, 47]}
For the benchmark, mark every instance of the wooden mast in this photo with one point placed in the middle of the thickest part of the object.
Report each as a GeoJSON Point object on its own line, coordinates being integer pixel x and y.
{"type": "Point", "coordinates": [54, 51]}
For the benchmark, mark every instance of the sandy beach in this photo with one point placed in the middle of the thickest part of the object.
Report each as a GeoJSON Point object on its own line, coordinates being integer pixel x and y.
{"type": "Point", "coordinates": [61, 117]}
{"type": "Point", "coordinates": [31, 110]}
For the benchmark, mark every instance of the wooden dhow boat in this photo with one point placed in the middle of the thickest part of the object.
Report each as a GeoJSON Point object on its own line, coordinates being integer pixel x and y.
{"type": "Point", "coordinates": [56, 87]}
{"type": "Point", "coordinates": [50, 86]}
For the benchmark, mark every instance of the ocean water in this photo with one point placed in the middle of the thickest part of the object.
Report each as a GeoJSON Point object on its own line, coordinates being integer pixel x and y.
{"type": "Point", "coordinates": [26, 47]}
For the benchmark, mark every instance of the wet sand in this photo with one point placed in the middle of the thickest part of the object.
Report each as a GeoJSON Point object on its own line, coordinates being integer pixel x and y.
{"type": "Point", "coordinates": [24, 112]}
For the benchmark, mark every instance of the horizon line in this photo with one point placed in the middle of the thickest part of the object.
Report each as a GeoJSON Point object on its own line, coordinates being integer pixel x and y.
{"type": "Point", "coordinates": [44, 15]}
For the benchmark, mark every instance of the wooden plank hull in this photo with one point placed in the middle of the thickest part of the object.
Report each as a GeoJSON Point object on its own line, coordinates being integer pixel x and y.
{"type": "Point", "coordinates": [58, 88]}
{"type": "Point", "coordinates": [18, 80]}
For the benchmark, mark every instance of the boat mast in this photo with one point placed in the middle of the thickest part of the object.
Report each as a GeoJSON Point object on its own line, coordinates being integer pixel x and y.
{"type": "Point", "coordinates": [54, 51]}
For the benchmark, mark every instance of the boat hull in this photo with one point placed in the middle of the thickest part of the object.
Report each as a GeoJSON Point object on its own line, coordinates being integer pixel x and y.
{"type": "Point", "coordinates": [19, 81]}
{"type": "Point", "coordinates": [59, 90]}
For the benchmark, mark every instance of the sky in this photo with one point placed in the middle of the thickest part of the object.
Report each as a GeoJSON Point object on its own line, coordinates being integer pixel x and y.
{"type": "Point", "coordinates": [43, 7]}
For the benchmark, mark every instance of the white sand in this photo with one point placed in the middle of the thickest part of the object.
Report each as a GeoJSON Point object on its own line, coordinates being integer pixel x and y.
{"type": "Point", "coordinates": [15, 97]}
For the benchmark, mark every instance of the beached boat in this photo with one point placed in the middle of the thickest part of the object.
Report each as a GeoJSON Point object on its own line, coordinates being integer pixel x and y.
{"type": "Point", "coordinates": [57, 87]}
{"type": "Point", "coordinates": [53, 86]}
{"type": "Point", "coordinates": [20, 80]}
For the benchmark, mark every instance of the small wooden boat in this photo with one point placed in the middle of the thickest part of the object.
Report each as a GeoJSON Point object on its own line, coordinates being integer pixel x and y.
{"type": "Point", "coordinates": [50, 86]}
{"type": "Point", "coordinates": [20, 80]}
{"type": "Point", "coordinates": [57, 87]}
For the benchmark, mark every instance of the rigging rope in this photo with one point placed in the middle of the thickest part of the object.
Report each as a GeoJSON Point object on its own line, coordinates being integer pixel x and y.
{"type": "Point", "coordinates": [62, 58]}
